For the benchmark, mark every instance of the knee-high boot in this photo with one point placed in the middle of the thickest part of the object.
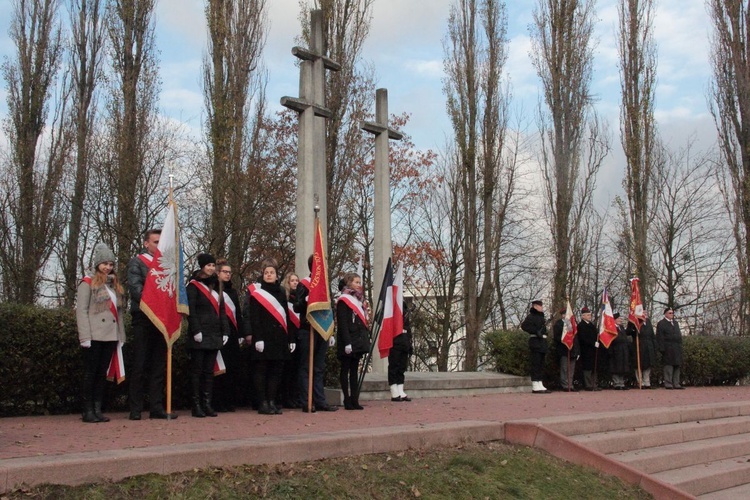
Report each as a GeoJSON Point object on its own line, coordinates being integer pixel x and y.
{"type": "Point", "coordinates": [355, 395]}
{"type": "Point", "coordinates": [208, 392]}
{"type": "Point", "coordinates": [196, 395]}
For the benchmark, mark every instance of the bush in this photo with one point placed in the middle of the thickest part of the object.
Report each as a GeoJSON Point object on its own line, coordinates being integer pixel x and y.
{"type": "Point", "coordinates": [707, 360]}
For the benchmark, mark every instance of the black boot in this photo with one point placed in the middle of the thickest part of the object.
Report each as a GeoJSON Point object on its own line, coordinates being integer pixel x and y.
{"type": "Point", "coordinates": [208, 391]}
{"type": "Point", "coordinates": [276, 409]}
{"type": "Point", "coordinates": [348, 403]}
{"type": "Point", "coordinates": [355, 395]}
{"type": "Point", "coordinates": [88, 412]}
{"type": "Point", "coordinates": [98, 412]}
{"type": "Point", "coordinates": [265, 409]}
{"type": "Point", "coordinates": [196, 397]}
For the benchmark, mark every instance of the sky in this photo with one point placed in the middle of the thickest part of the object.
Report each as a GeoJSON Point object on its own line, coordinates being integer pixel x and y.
{"type": "Point", "coordinates": [405, 48]}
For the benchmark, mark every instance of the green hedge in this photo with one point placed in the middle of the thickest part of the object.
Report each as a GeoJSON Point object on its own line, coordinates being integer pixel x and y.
{"type": "Point", "coordinates": [707, 360]}
{"type": "Point", "coordinates": [41, 365]}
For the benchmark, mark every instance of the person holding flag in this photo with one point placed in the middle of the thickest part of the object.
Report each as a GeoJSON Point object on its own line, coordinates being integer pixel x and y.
{"type": "Point", "coordinates": [354, 337]}
{"type": "Point", "coordinates": [619, 355]}
{"type": "Point", "coordinates": [208, 331]}
{"type": "Point", "coordinates": [588, 335]}
{"type": "Point", "coordinates": [99, 316]}
{"type": "Point", "coordinates": [643, 350]}
{"type": "Point", "coordinates": [149, 347]}
{"type": "Point", "coordinates": [567, 348]}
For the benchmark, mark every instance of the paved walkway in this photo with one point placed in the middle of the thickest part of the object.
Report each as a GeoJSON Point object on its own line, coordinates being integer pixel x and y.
{"type": "Point", "coordinates": [64, 435]}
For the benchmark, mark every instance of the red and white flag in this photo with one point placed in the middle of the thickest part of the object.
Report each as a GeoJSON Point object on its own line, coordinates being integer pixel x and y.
{"type": "Point", "coordinates": [607, 325]}
{"type": "Point", "coordinates": [570, 327]}
{"type": "Point", "coordinates": [389, 316]}
{"type": "Point", "coordinates": [164, 298]}
{"type": "Point", "coordinates": [635, 315]}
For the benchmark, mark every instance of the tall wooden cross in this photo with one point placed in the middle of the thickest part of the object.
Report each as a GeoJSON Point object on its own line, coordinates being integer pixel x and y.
{"type": "Point", "coordinates": [311, 142]}
{"type": "Point", "coordinates": [382, 244]}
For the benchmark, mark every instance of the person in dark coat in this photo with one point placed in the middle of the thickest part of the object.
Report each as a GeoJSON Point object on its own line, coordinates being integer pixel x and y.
{"type": "Point", "coordinates": [646, 348]}
{"type": "Point", "coordinates": [534, 325]}
{"type": "Point", "coordinates": [207, 332]}
{"type": "Point", "coordinates": [289, 393]}
{"type": "Point", "coordinates": [225, 386]}
{"type": "Point", "coordinates": [149, 347]}
{"type": "Point", "coordinates": [669, 341]}
{"type": "Point", "coordinates": [353, 337]}
{"type": "Point", "coordinates": [588, 336]}
{"type": "Point", "coordinates": [619, 355]}
{"type": "Point", "coordinates": [567, 357]}
{"type": "Point", "coordinates": [272, 344]}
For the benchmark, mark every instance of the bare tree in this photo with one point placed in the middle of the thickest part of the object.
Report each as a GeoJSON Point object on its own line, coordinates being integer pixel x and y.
{"type": "Point", "coordinates": [86, 55]}
{"type": "Point", "coordinates": [476, 49]}
{"type": "Point", "coordinates": [132, 104]}
{"type": "Point", "coordinates": [562, 54]}
{"type": "Point", "coordinates": [232, 79]}
{"type": "Point", "coordinates": [637, 126]}
{"type": "Point", "coordinates": [30, 220]}
{"type": "Point", "coordinates": [730, 107]}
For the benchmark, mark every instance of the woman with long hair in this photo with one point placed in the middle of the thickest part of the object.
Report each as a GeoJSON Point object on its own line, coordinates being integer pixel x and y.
{"type": "Point", "coordinates": [99, 309]}
{"type": "Point", "coordinates": [353, 337]}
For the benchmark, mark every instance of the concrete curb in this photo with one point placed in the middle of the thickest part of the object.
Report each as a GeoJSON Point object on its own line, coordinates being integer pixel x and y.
{"type": "Point", "coordinates": [556, 444]}
{"type": "Point", "coordinates": [115, 465]}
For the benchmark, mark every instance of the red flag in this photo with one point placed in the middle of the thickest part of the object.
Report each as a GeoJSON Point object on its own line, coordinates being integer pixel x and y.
{"type": "Point", "coordinates": [607, 325]}
{"type": "Point", "coordinates": [398, 301]}
{"type": "Point", "coordinates": [319, 312]}
{"type": "Point", "coordinates": [635, 315]}
{"type": "Point", "coordinates": [570, 327]}
{"type": "Point", "coordinates": [384, 319]}
{"type": "Point", "coordinates": [164, 299]}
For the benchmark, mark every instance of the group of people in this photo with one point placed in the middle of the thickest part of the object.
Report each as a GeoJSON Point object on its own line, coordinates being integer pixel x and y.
{"type": "Point", "coordinates": [632, 351]}
{"type": "Point", "coordinates": [271, 322]}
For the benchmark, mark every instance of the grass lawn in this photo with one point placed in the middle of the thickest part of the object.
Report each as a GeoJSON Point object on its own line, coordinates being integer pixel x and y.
{"type": "Point", "coordinates": [483, 471]}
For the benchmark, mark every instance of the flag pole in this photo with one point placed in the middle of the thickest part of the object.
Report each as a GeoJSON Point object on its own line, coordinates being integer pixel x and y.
{"type": "Point", "coordinates": [311, 344]}
{"type": "Point", "coordinates": [373, 342]}
{"type": "Point", "coordinates": [169, 344]}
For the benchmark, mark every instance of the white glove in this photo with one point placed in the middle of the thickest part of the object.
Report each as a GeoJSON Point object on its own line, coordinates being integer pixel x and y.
{"type": "Point", "coordinates": [224, 340]}
{"type": "Point", "coordinates": [86, 344]}
{"type": "Point", "coordinates": [596, 344]}
{"type": "Point", "coordinates": [292, 347]}
{"type": "Point", "coordinates": [348, 349]}
{"type": "Point", "coordinates": [260, 345]}
{"type": "Point", "coordinates": [241, 341]}
{"type": "Point", "coordinates": [332, 341]}
{"type": "Point", "coordinates": [198, 337]}
{"type": "Point", "coordinates": [544, 336]}
{"type": "Point", "coordinates": [578, 357]}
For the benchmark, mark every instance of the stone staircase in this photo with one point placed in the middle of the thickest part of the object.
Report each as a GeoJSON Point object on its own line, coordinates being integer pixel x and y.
{"type": "Point", "coordinates": [703, 450]}
{"type": "Point", "coordinates": [437, 385]}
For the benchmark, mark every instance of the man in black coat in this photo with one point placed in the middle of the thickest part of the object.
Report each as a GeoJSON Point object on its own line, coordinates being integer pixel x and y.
{"type": "Point", "coordinates": [669, 341]}
{"type": "Point", "coordinates": [537, 330]}
{"type": "Point", "coordinates": [619, 355]}
{"type": "Point", "coordinates": [567, 357]}
{"type": "Point", "coordinates": [644, 350]}
{"type": "Point", "coordinates": [588, 336]}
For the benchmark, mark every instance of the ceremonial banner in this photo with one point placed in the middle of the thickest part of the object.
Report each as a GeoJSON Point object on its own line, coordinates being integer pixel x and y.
{"type": "Point", "coordinates": [570, 327]}
{"type": "Point", "coordinates": [607, 325]}
{"type": "Point", "coordinates": [635, 315]}
{"type": "Point", "coordinates": [319, 312]}
{"type": "Point", "coordinates": [164, 298]}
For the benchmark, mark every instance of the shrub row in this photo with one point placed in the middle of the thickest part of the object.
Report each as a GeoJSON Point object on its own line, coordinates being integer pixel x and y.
{"type": "Point", "coordinates": [41, 365]}
{"type": "Point", "coordinates": [707, 360]}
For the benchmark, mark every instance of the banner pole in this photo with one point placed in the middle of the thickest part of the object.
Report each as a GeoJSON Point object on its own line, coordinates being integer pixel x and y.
{"type": "Point", "coordinates": [169, 381]}
{"type": "Point", "coordinates": [310, 372]}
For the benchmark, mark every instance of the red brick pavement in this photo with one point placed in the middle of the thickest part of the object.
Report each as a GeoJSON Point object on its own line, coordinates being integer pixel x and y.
{"type": "Point", "coordinates": [55, 435]}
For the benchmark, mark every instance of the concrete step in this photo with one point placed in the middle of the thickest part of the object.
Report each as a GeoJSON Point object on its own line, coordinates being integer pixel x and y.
{"type": "Point", "coordinates": [709, 477]}
{"type": "Point", "coordinates": [741, 491]}
{"type": "Point", "coordinates": [636, 438]}
{"type": "Point", "coordinates": [672, 456]}
{"type": "Point", "coordinates": [437, 385]}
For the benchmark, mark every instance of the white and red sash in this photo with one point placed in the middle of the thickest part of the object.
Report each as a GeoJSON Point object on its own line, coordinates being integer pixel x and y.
{"type": "Point", "coordinates": [270, 304]}
{"type": "Point", "coordinates": [305, 282]}
{"type": "Point", "coordinates": [116, 369]}
{"type": "Point", "coordinates": [231, 310]}
{"type": "Point", "coordinates": [112, 298]}
{"type": "Point", "coordinates": [355, 305]}
{"type": "Point", "coordinates": [293, 315]}
{"type": "Point", "coordinates": [220, 367]}
{"type": "Point", "coordinates": [211, 295]}
{"type": "Point", "coordinates": [146, 258]}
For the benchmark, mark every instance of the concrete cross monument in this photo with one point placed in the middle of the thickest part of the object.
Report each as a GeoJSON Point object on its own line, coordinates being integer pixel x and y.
{"type": "Point", "coordinates": [311, 142]}
{"type": "Point", "coordinates": [382, 244]}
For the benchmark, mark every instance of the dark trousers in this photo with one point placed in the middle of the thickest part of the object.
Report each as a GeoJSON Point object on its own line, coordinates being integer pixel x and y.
{"type": "Point", "coordinates": [349, 375]}
{"type": "Point", "coordinates": [267, 378]}
{"type": "Point", "coordinates": [226, 386]}
{"type": "Point", "coordinates": [537, 366]}
{"type": "Point", "coordinates": [320, 347]}
{"type": "Point", "coordinates": [398, 361]}
{"type": "Point", "coordinates": [202, 368]}
{"type": "Point", "coordinates": [95, 363]}
{"type": "Point", "coordinates": [149, 362]}
{"type": "Point", "coordinates": [289, 390]}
